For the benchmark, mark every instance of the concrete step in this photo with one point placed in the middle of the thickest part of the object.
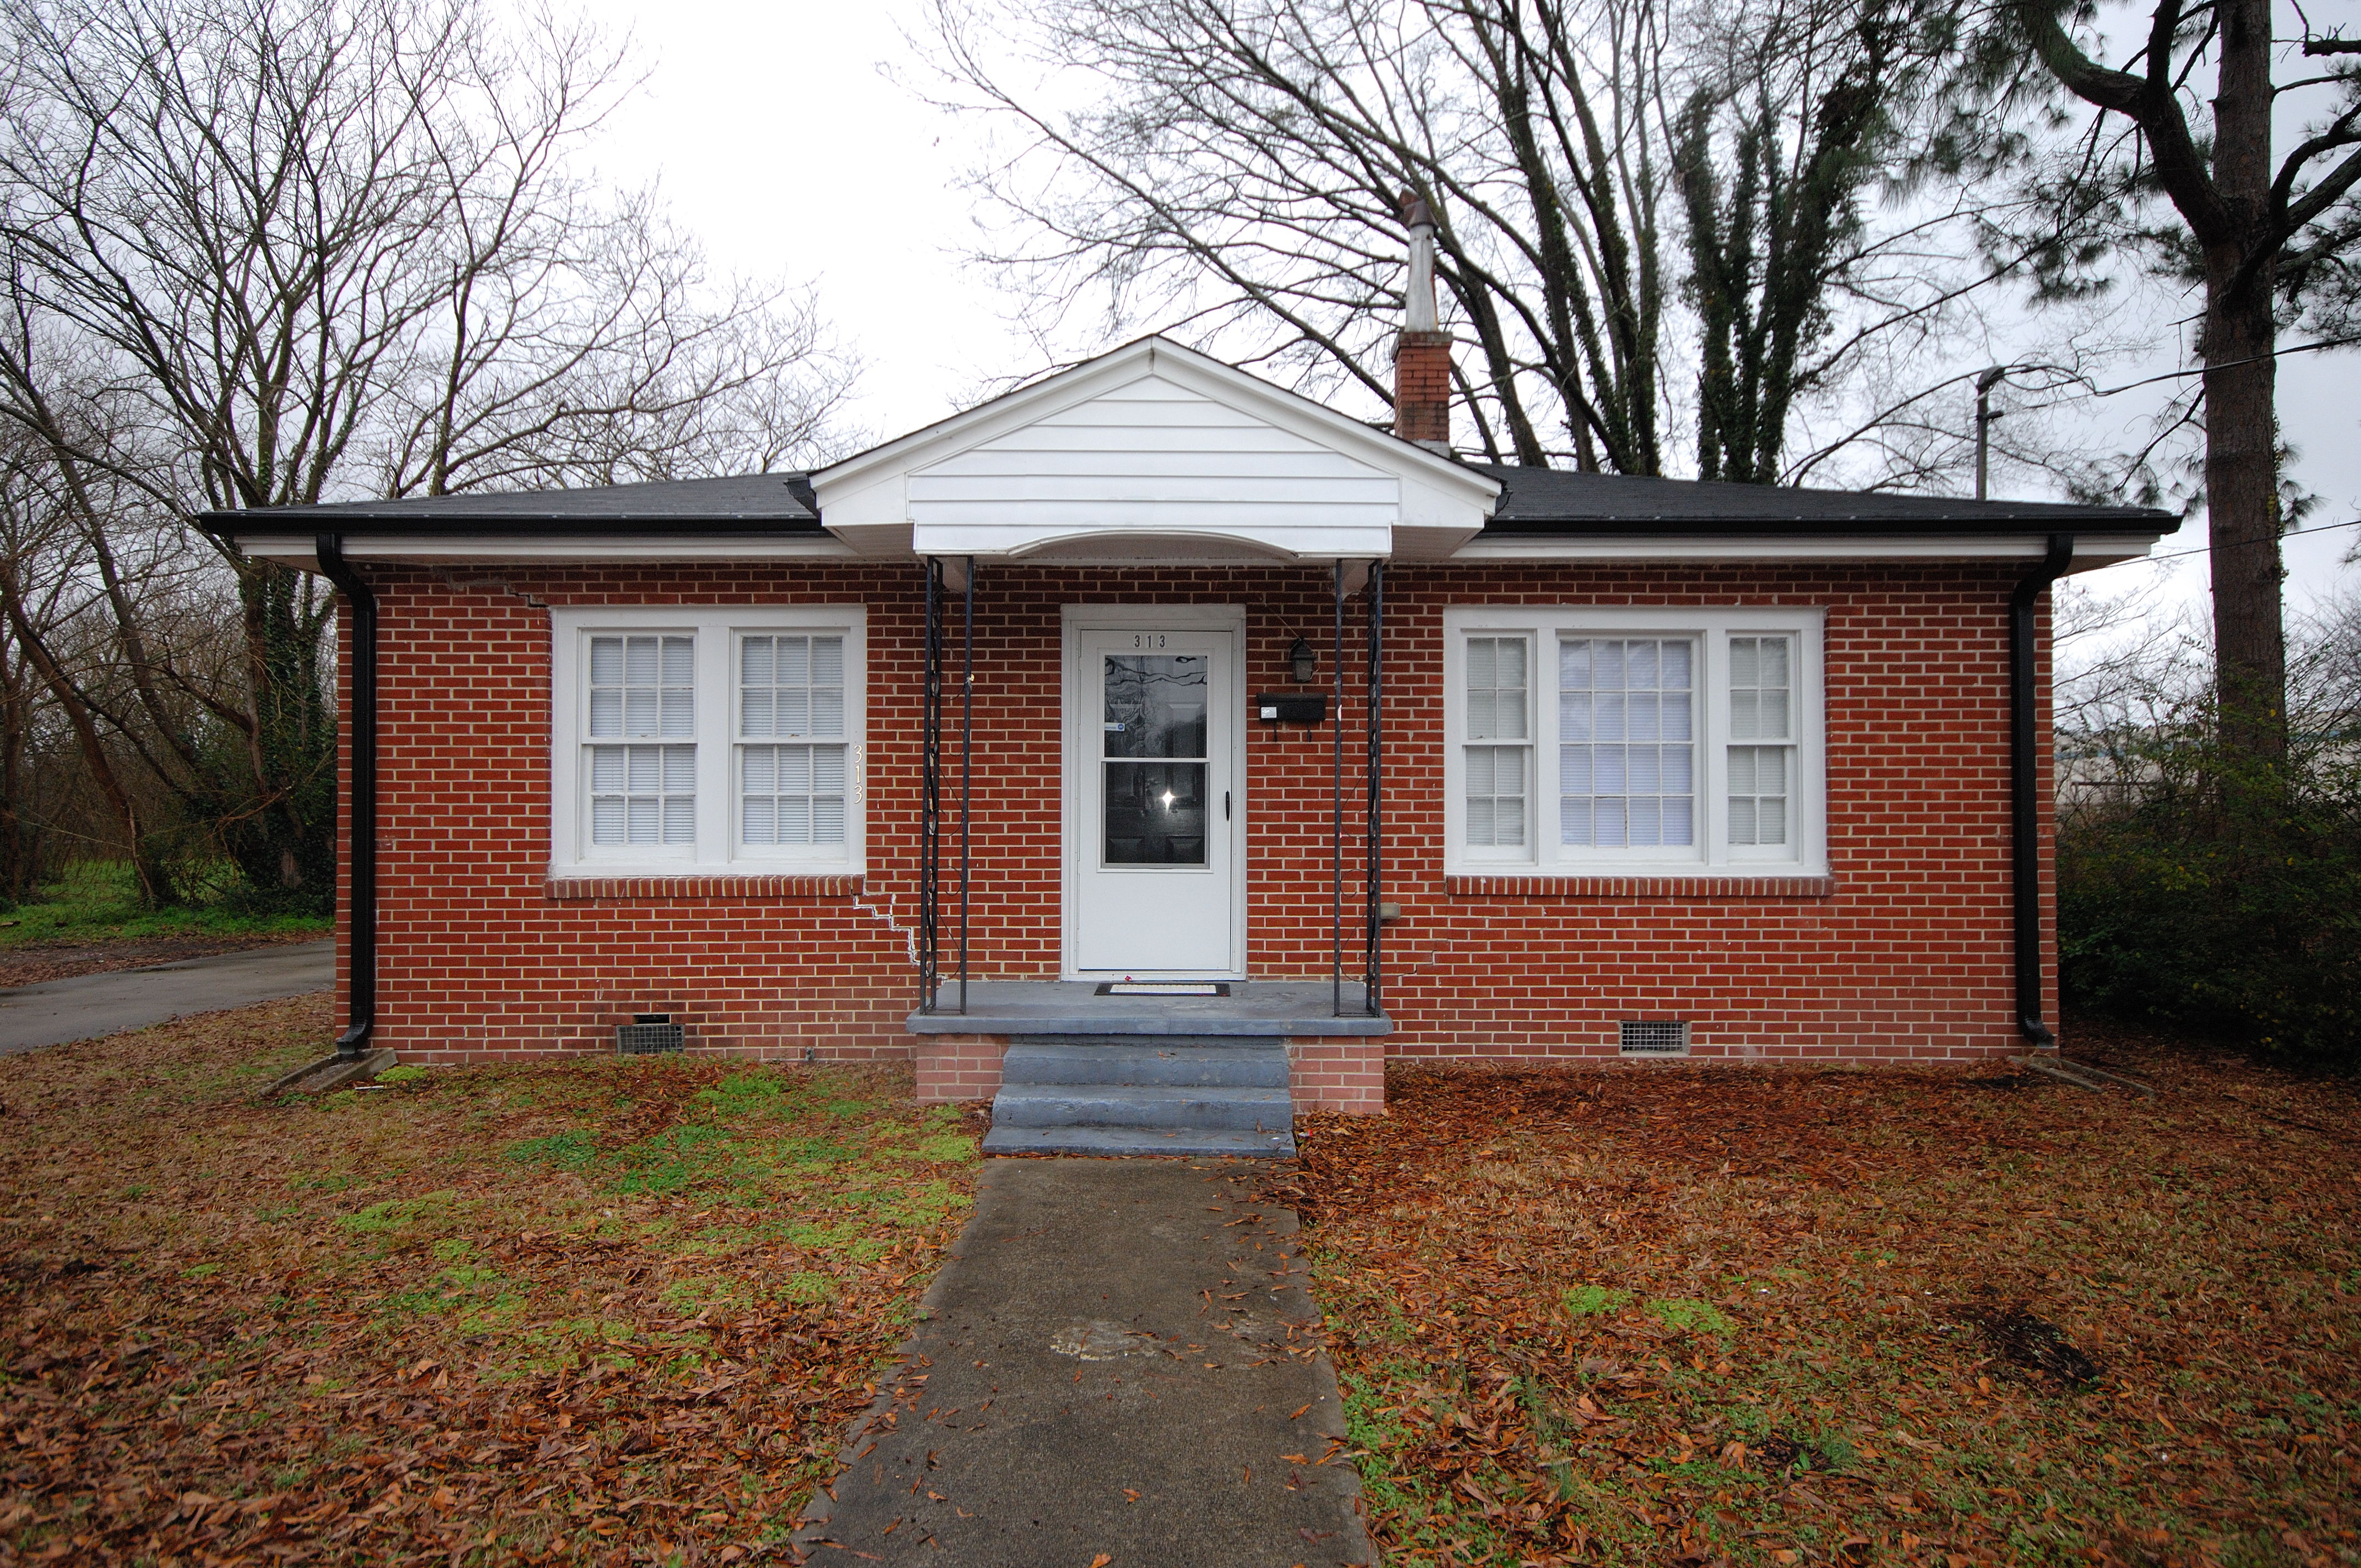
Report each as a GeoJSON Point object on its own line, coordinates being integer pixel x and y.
{"type": "Point", "coordinates": [1225, 1066]}
{"type": "Point", "coordinates": [1130, 1141]}
{"type": "Point", "coordinates": [1200, 1042]}
{"type": "Point", "coordinates": [1159, 1106]}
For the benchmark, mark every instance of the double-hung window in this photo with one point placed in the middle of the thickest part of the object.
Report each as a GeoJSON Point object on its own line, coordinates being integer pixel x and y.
{"type": "Point", "coordinates": [1672, 741]}
{"type": "Point", "coordinates": [706, 740]}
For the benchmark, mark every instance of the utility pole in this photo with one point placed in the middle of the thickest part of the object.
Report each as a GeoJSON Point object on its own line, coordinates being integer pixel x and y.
{"type": "Point", "coordinates": [1984, 416]}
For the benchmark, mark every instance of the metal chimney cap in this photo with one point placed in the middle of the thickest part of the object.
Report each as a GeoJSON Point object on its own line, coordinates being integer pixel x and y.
{"type": "Point", "coordinates": [1415, 212]}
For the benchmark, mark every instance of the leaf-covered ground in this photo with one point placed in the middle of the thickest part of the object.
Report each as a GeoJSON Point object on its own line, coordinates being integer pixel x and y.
{"type": "Point", "coordinates": [601, 1311]}
{"type": "Point", "coordinates": [1805, 1316]}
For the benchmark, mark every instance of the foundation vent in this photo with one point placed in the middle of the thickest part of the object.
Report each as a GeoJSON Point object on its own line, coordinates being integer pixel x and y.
{"type": "Point", "coordinates": [1656, 1037]}
{"type": "Point", "coordinates": [648, 1035]}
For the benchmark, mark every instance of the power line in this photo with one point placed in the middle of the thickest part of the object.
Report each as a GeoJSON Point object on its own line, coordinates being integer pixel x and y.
{"type": "Point", "coordinates": [2201, 549]}
{"type": "Point", "coordinates": [2228, 365]}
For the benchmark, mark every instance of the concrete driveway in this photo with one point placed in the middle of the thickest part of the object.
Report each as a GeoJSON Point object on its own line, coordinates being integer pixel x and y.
{"type": "Point", "coordinates": [89, 1005]}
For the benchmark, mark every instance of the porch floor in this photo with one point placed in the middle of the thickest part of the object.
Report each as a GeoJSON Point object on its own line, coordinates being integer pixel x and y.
{"type": "Point", "coordinates": [1266, 1009]}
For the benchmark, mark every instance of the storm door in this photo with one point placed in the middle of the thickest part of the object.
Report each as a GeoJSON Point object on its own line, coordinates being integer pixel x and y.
{"type": "Point", "coordinates": [1152, 824]}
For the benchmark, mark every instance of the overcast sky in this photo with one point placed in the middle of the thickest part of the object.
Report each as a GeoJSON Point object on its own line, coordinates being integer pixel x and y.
{"type": "Point", "coordinates": [780, 140]}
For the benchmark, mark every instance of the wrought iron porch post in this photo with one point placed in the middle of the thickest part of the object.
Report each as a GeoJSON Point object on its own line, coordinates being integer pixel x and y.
{"type": "Point", "coordinates": [967, 768]}
{"type": "Point", "coordinates": [1337, 724]}
{"type": "Point", "coordinates": [931, 793]}
{"type": "Point", "coordinates": [1373, 983]}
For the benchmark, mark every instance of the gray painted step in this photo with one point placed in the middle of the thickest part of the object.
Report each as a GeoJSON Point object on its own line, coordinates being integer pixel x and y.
{"type": "Point", "coordinates": [1154, 1105]}
{"type": "Point", "coordinates": [1225, 1066]}
{"type": "Point", "coordinates": [1004, 1139]}
{"type": "Point", "coordinates": [1265, 1042]}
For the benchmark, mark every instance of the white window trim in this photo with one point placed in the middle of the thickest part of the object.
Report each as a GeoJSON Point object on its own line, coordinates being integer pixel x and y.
{"type": "Point", "coordinates": [1713, 856]}
{"type": "Point", "coordinates": [716, 852]}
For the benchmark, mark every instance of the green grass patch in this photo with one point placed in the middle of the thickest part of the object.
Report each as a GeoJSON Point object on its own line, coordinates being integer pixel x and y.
{"type": "Point", "coordinates": [98, 901]}
{"type": "Point", "coordinates": [572, 1150]}
{"type": "Point", "coordinates": [1595, 1301]}
{"type": "Point", "coordinates": [1692, 1316]}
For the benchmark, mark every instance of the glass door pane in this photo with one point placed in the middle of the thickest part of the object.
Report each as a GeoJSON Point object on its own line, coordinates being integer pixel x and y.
{"type": "Point", "coordinates": [1152, 746]}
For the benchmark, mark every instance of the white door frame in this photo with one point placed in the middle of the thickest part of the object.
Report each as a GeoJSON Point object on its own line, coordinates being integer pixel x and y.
{"type": "Point", "coordinates": [1080, 705]}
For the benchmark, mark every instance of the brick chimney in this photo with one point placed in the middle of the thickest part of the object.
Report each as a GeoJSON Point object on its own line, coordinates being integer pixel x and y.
{"type": "Point", "coordinates": [1422, 353]}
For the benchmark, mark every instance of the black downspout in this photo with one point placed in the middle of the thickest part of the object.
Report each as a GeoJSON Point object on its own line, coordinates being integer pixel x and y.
{"type": "Point", "coordinates": [2025, 779]}
{"type": "Point", "coordinates": [361, 1010]}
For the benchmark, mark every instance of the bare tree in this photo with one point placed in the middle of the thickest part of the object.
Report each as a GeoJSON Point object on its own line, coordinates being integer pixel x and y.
{"type": "Point", "coordinates": [1231, 166]}
{"type": "Point", "coordinates": [2263, 238]}
{"type": "Point", "coordinates": [265, 254]}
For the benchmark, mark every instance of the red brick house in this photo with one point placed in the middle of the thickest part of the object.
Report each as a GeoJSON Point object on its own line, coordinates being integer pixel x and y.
{"type": "Point", "coordinates": [1152, 703]}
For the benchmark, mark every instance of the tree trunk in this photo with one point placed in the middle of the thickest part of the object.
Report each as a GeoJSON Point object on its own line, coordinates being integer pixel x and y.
{"type": "Point", "coordinates": [2242, 499]}
{"type": "Point", "coordinates": [154, 878]}
{"type": "Point", "coordinates": [2242, 508]}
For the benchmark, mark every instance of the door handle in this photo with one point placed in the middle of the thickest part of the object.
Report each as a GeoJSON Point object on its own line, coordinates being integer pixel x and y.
{"type": "Point", "coordinates": [1225, 806]}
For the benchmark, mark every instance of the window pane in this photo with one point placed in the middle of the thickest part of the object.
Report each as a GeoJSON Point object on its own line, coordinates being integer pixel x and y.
{"type": "Point", "coordinates": [1495, 688]}
{"type": "Point", "coordinates": [642, 794]}
{"type": "Point", "coordinates": [1758, 795]}
{"type": "Point", "coordinates": [791, 795]}
{"type": "Point", "coordinates": [642, 686]}
{"type": "Point", "coordinates": [1153, 705]}
{"type": "Point", "coordinates": [791, 687]}
{"type": "Point", "coordinates": [1495, 797]}
{"type": "Point", "coordinates": [1154, 813]}
{"type": "Point", "coordinates": [1758, 688]}
{"type": "Point", "coordinates": [1760, 708]}
{"type": "Point", "coordinates": [1626, 757]}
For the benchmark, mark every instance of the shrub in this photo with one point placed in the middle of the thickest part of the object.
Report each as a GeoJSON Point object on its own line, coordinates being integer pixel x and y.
{"type": "Point", "coordinates": [2217, 897]}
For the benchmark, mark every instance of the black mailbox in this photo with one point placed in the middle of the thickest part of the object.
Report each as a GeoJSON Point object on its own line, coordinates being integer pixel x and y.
{"type": "Point", "coordinates": [1292, 708]}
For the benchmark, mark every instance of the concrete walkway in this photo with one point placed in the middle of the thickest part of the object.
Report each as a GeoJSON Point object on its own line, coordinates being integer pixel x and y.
{"type": "Point", "coordinates": [88, 1005]}
{"type": "Point", "coordinates": [1115, 1360]}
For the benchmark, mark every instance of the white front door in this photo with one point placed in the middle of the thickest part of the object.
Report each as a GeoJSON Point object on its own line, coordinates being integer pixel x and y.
{"type": "Point", "coordinates": [1154, 816]}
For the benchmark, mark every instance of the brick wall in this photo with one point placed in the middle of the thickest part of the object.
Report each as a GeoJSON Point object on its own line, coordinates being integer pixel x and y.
{"type": "Point", "coordinates": [1901, 952]}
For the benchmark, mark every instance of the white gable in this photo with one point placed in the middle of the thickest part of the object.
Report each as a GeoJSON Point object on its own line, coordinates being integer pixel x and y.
{"type": "Point", "coordinates": [1152, 453]}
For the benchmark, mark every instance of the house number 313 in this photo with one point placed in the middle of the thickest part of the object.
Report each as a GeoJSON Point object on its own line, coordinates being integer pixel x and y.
{"type": "Point", "coordinates": [1147, 640]}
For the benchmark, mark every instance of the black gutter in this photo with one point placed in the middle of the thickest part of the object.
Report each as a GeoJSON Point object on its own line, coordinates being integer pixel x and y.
{"type": "Point", "coordinates": [2025, 779]}
{"type": "Point", "coordinates": [361, 1006]}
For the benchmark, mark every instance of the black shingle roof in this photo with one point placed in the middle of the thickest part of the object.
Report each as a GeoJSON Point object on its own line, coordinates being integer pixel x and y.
{"type": "Point", "coordinates": [1533, 501]}
{"type": "Point", "coordinates": [1557, 501]}
{"type": "Point", "coordinates": [746, 503]}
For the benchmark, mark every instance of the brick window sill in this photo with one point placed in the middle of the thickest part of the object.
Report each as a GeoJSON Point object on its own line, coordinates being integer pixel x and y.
{"type": "Point", "coordinates": [648, 889]}
{"type": "Point", "coordinates": [1637, 888]}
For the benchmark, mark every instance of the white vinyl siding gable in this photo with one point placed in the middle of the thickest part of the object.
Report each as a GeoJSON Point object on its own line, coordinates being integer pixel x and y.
{"type": "Point", "coordinates": [707, 740]}
{"type": "Point", "coordinates": [1659, 742]}
{"type": "Point", "coordinates": [1155, 457]}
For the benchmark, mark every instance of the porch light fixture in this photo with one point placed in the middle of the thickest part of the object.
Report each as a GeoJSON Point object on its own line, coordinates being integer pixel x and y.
{"type": "Point", "coordinates": [1305, 661]}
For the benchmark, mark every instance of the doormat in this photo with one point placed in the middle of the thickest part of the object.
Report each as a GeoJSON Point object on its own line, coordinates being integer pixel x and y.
{"type": "Point", "coordinates": [1163, 988]}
